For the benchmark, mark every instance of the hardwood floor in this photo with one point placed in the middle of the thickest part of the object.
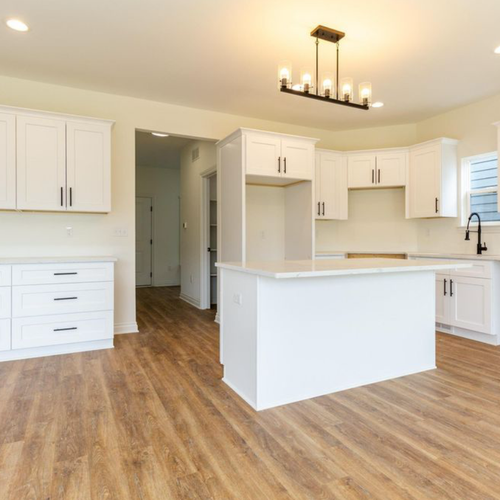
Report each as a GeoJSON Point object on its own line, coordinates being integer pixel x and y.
{"type": "Point", "coordinates": [151, 419]}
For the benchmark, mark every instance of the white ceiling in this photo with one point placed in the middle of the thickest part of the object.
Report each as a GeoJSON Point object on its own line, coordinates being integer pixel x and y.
{"type": "Point", "coordinates": [158, 152]}
{"type": "Point", "coordinates": [422, 56]}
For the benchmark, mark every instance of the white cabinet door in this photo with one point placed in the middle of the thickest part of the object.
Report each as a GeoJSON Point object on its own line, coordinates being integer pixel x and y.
{"type": "Point", "coordinates": [263, 155]}
{"type": "Point", "coordinates": [331, 186]}
{"type": "Point", "coordinates": [470, 303]}
{"type": "Point", "coordinates": [5, 336]}
{"type": "Point", "coordinates": [442, 295]}
{"type": "Point", "coordinates": [391, 169]}
{"type": "Point", "coordinates": [298, 159]}
{"type": "Point", "coordinates": [7, 161]}
{"type": "Point", "coordinates": [424, 182]}
{"type": "Point", "coordinates": [361, 171]}
{"type": "Point", "coordinates": [88, 167]}
{"type": "Point", "coordinates": [41, 163]}
{"type": "Point", "coordinates": [318, 184]}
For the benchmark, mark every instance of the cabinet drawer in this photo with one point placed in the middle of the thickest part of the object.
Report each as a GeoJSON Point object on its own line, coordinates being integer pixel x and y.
{"type": "Point", "coordinates": [4, 334]}
{"type": "Point", "coordinates": [61, 299]}
{"type": "Point", "coordinates": [61, 329]}
{"type": "Point", "coordinates": [5, 302]}
{"type": "Point", "coordinates": [479, 269]}
{"type": "Point", "coordinates": [46, 274]}
{"type": "Point", "coordinates": [5, 275]}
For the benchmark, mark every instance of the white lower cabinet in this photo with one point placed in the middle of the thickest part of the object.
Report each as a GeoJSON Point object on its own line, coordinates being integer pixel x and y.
{"type": "Point", "coordinates": [55, 308]}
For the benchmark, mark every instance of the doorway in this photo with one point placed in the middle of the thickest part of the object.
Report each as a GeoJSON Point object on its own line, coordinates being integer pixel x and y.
{"type": "Point", "coordinates": [144, 241]}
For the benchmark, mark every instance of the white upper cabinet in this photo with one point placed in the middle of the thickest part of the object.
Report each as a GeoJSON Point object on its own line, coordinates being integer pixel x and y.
{"type": "Point", "coordinates": [361, 170]}
{"type": "Point", "coordinates": [7, 161]}
{"type": "Point", "coordinates": [330, 186]}
{"type": "Point", "coordinates": [88, 167]}
{"type": "Point", "coordinates": [54, 162]}
{"type": "Point", "coordinates": [433, 179]}
{"type": "Point", "coordinates": [41, 163]}
{"type": "Point", "coordinates": [275, 155]}
{"type": "Point", "coordinates": [377, 169]}
{"type": "Point", "coordinates": [391, 168]}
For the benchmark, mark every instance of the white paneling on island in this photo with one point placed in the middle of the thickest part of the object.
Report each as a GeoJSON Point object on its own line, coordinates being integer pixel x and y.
{"type": "Point", "coordinates": [294, 330]}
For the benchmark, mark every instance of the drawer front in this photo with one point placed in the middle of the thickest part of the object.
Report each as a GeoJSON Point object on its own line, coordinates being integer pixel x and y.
{"type": "Point", "coordinates": [61, 329]}
{"type": "Point", "coordinates": [46, 274]}
{"type": "Point", "coordinates": [4, 334]}
{"type": "Point", "coordinates": [5, 302]}
{"type": "Point", "coordinates": [479, 269]}
{"type": "Point", "coordinates": [5, 275]}
{"type": "Point", "coordinates": [61, 299]}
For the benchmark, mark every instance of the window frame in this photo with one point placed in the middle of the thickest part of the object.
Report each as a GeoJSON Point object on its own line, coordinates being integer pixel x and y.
{"type": "Point", "coordinates": [467, 191]}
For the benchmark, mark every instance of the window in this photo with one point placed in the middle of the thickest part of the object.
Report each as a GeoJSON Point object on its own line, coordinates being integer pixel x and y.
{"type": "Point", "coordinates": [481, 183]}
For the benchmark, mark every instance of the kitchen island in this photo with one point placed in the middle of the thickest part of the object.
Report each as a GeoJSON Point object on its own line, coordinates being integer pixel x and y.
{"type": "Point", "coordinates": [294, 330]}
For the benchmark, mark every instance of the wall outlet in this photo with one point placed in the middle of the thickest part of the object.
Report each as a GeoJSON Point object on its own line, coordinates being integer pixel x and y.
{"type": "Point", "coordinates": [69, 231]}
{"type": "Point", "coordinates": [238, 298]}
{"type": "Point", "coordinates": [120, 232]}
{"type": "Point", "coordinates": [191, 279]}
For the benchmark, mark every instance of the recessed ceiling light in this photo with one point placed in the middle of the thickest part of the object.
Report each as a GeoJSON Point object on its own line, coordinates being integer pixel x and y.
{"type": "Point", "coordinates": [497, 50]}
{"type": "Point", "coordinates": [17, 25]}
{"type": "Point", "coordinates": [157, 134]}
{"type": "Point", "coordinates": [377, 104]}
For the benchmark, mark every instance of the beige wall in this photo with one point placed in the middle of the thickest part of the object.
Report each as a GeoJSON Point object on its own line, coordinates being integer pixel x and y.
{"type": "Point", "coordinates": [163, 186]}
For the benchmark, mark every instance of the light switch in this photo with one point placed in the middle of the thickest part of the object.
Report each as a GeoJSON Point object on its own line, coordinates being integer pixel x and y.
{"type": "Point", "coordinates": [238, 299]}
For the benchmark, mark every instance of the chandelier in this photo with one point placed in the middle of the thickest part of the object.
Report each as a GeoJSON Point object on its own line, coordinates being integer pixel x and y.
{"type": "Point", "coordinates": [332, 89]}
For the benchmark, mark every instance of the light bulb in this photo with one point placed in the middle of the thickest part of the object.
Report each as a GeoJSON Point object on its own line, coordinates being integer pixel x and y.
{"type": "Point", "coordinates": [284, 73]}
{"type": "Point", "coordinates": [306, 80]}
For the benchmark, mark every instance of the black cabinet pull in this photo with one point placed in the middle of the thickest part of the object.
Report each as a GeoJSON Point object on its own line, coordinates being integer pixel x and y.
{"type": "Point", "coordinates": [451, 288]}
{"type": "Point", "coordinates": [62, 197]}
{"type": "Point", "coordinates": [279, 164]}
{"type": "Point", "coordinates": [66, 298]}
{"type": "Point", "coordinates": [70, 196]}
{"type": "Point", "coordinates": [445, 281]}
{"type": "Point", "coordinates": [319, 208]}
{"type": "Point", "coordinates": [379, 176]}
{"type": "Point", "coordinates": [323, 208]}
{"type": "Point", "coordinates": [373, 176]}
{"type": "Point", "coordinates": [284, 165]}
{"type": "Point", "coordinates": [64, 274]}
{"type": "Point", "coordinates": [65, 329]}
{"type": "Point", "coordinates": [436, 205]}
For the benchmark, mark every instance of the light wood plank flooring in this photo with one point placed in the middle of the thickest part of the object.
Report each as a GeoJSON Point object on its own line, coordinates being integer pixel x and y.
{"type": "Point", "coordinates": [151, 419]}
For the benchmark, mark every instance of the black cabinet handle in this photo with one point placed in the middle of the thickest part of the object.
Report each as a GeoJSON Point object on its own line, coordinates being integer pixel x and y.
{"type": "Point", "coordinates": [64, 274]}
{"type": "Point", "coordinates": [445, 281]}
{"type": "Point", "coordinates": [373, 176]}
{"type": "Point", "coordinates": [451, 288]}
{"type": "Point", "coordinates": [284, 165]}
{"type": "Point", "coordinates": [70, 196]}
{"type": "Point", "coordinates": [379, 176]}
{"type": "Point", "coordinates": [323, 208]}
{"type": "Point", "coordinates": [65, 329]}
{"type": "Point", "coordinates": [62, 197]}
{"type": "Point", "coordinates": [66, 298]}
{"type": "Point", "coordinates": [319, 208]}
{"type": "Point", "coordinates": [279, 164]}
{"type": "Point", "coordinates": [437, 205]}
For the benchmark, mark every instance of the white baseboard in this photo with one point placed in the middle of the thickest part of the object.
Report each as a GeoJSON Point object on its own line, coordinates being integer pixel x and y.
{"type": "Point", "coordinates": [190, 300]}
{"type": "Point", "coordinates": [217, 318]}
{"type": "Point", "coordinates": [167, 283]}
{"type": "Point", "coordinates": [121, 328]}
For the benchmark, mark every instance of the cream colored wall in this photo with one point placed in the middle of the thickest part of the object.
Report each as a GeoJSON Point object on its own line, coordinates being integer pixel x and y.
{"type": "Point", "coordinates": [44, 234]}
{"type": "Point", "coordinates": [163, 186]}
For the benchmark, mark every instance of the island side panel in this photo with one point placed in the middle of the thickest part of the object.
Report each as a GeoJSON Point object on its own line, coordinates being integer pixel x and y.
{"type": "Point", "coordinates": [239, 317]}
{"type": "Point", "coordinates": [326, 334]}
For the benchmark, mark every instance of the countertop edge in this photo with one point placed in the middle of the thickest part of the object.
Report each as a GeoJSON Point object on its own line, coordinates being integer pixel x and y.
{"type": "Point", "coordinates": [54, 260]}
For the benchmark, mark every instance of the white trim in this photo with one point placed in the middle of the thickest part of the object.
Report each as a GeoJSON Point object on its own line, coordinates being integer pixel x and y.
{"type": "Point", "coordinates": [190, 300]}
{"type": "Point", "coordinates": [217, 318]}
{"type": "Point", "coordinates": [37, 352]}
{"type": "Point", "coordinates": [122, 328]}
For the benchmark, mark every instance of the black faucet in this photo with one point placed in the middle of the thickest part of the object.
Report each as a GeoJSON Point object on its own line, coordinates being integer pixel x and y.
{"type": "Point", "coordinates": [480, 246]}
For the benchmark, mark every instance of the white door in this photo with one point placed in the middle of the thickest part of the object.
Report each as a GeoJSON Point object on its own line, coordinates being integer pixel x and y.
{"type": "Point", "coordinates": [424, 182]}
{"type": "Point", "coordinates": [470, 303]}
{"type": "Point", "coordinates": [41, 164]}
{"type": "Point", "coordinates": [7, 161]}
{"type": "Point", "coordinates": [361, 171]}
{"type": "Point", "coordinates": [297, 159]}
{"type": "Point", "coordinates": [391, 169]}
{"type": "Point", "coordinates": [442, 298]}
{"type": "Point", "coordinates": [143, 241]}
{"type": "Point", "coordinates": [263, 155]}
{"type": "Point", "coordinates": [88, 167]}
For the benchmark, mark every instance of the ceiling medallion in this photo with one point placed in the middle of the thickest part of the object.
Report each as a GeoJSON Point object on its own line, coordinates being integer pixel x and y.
{"type": "Point", "coordinates": [332, 89]}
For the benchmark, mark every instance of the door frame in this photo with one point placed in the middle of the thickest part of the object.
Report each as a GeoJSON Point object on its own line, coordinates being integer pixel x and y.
{"type": "Point", "coordinates": [205, 236]}
{"type": "Point", "coordinates": [152, 247]}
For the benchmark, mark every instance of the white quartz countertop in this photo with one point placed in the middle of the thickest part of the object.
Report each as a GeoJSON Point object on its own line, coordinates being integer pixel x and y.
{"type": "Point", "coordinates": [54, 260]}
{"type": "Point", "coordinates": [458, 256]}
{"type": "Point", "coordinates": [337, 267]}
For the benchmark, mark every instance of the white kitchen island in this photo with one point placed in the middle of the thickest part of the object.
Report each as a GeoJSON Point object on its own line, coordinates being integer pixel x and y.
{"type": "Point", "coordinates": [294, 330]}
